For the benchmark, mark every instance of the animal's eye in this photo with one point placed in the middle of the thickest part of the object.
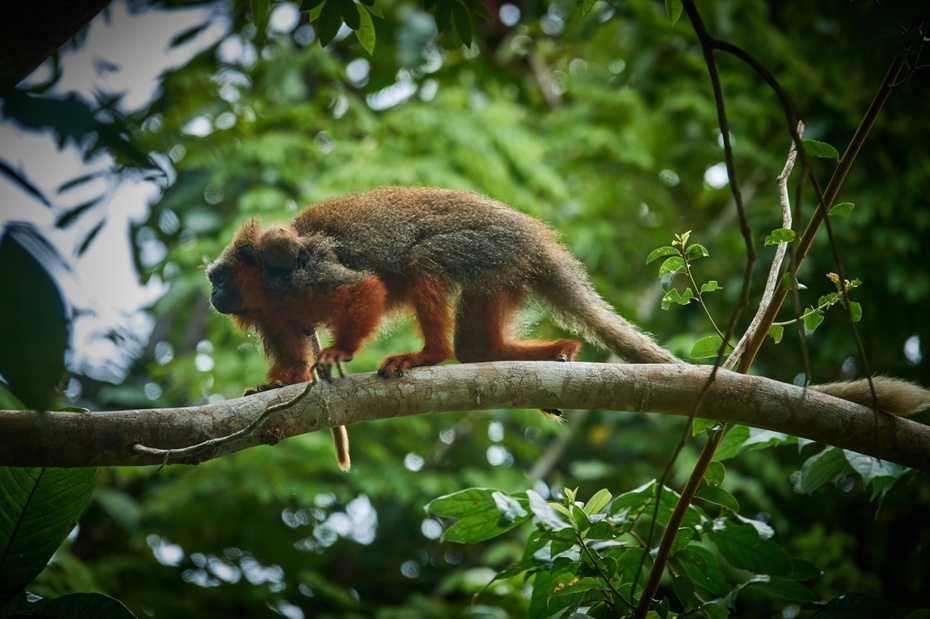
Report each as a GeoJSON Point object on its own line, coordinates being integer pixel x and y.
{"type": "Point", "coordinates": [219, 274]}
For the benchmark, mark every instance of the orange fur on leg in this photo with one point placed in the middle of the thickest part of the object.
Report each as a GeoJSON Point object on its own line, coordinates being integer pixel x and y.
{"type": "Point", "coordinates": [430, 302]}
{"type": "Point", "coordinates": [480, 334]}
{"type": "Point", "coordinates": [357, 312]}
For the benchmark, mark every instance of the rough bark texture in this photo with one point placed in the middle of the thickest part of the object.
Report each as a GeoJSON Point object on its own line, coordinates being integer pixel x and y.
{"type": "Point", "coordinates": [94, 439]}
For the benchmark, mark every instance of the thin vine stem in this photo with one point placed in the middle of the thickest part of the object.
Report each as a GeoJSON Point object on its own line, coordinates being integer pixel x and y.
{"type": "Point", "coordinates": [709, 44]}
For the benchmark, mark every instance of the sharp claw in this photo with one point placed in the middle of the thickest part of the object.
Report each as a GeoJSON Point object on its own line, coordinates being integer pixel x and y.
{"type": "Point", "coordinates": [262, 388]}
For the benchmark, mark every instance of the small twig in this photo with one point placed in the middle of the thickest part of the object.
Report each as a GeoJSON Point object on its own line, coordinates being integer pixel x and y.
{"type": "Point", "coordinates": [193, 451]}
{"type": "Point", "coordinates": [806, 239]}
{"type": "Point", "coordinates": [600, 571]}
{"type": "Point", "coordinates": [773, 279]}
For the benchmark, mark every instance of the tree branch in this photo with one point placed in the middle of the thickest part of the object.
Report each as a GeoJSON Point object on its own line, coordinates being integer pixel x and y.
{"type": "Point", "coordinates": [29, 438]}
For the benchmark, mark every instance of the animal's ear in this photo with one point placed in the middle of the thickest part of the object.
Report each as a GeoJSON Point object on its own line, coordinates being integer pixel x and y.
{"type": "Point", "coordinates": [280, 248]}
{"type": "Point", "coordinates": [249, 254]}
{"type": "Point", "coordinates": [244, 245]}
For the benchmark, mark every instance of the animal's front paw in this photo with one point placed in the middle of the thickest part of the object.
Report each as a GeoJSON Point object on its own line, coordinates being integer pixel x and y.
{"type": "Point", "coordinates": [570, 348]}
{"type": "Point", "coordinates": [395, 366]}
{"type": "Point", "coordinates": [259, 388]}
{"type": "Point", "coordinates": [330, 357]}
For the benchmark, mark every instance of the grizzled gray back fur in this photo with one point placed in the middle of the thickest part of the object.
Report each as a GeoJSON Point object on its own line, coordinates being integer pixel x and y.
{"type": "Point", "coordinates": [459, 236]}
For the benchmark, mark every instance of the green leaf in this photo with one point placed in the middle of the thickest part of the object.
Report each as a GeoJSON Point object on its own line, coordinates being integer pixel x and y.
{"type": "Point", "coordinates": [710, 286]}
{"type": "Point", "coordinates": [260, 12]}
{"type": "Point", "coordinates": [544, 513]}
{"type": "Point", "coordinates": [673, 10]}
{"type": "Point", "coordinates": [680, 298]}
{"type": "Point", "coordinates": [714, 610]}
{"type": "Point", "coordinates": [38, 509]}
{"type": "Point", "coordinates": [661, 607]}
{"type": "Point", "coordinates": [780, 235]}
{"type": "Point", "coordinates": [542, 602]}
{"type": "Point", "coordinates": [582, 8]}
{"type": "Point", "coordinates": [561, 509]}
{"type": "Point", "coordinates": [683, 539]}
{"type": "Point", "coordinates": [376, 9]}
{"type": "Point", "coordinates": [674, 264]}
{"type": "Point", "coordinates": [483, 513]}
{"type": "Point", "coordinates": [684, 589]}
{"type": "Point", "coordinates": [327, 26]}
{"type": "Point", "coordinates": [661, 252]}
{"type": "Point", "coordinates": [631, 504]}
{"type": "Point", "coordinates": [715, 473]}
{"type": "Point", "coordinates": [510, 509]}
{"type": "Point", "coordinates": [562, 541]}
{"type": "Point", "coordinates": [477, 7]}
{"type": "Point", "coordinates": [855, 310]}
{"type": "Point", "coordinates": [699, 425]}
{"type": "Point", "coordinates": [462, 17]}
{"type": "Point", "coordinates": [804, 570]}
{"type": "Point", "coordinates": [776, 333]}
{"type": "Point", "coordinates": [740, 439]}
{"type": "Point", "coordinates": [843, 209]}
{"type": "Point", "coordinates": [351, 14]}
{"type": "Point", "coordinates": [700, 565]}
{"type": "Point", "coordinates": [696, 251]}
{"type": "Point", "coordinates": [34, 324]}
{"type": "Point", "coordinates": [600, 530]}
{"type": "Point", "coordinates": [78, 606]}
{"type": "Point", "coordinates": [813, 320]}
{"type": "Point", "coordinates": [719, 496]}
{"type": "Point", "coordinates": [870, 468]}
{"type": "Point", "coordinates": [855, 606]}
{"type": "Point", "coordinates": [578, 585]}
{"type": "Point", "coordinates": [366, 32]}
{"type": "Point", "coordinates": [309, 5]}
{"type": "Point", "coordinates": [820, 149]}
{"type": "Point", "coordinates": [597, 502]}
{"type": "Point", "coordinates": [742, 548]}
{"type": "Point", "coordinates": [819, 469]}
{"type": "Point", "coordinates": [582, 522]}
{"type": "Point", "coordinates": [444, 14]}
{"type": "Point", "coordinates": [707, 347]}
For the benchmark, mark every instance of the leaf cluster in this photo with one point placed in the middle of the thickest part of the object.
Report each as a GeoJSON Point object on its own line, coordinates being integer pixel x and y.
{"type": "Point", "coordinates": [589, 558]}
{"type": "Point", "coordinates": [39, 507]}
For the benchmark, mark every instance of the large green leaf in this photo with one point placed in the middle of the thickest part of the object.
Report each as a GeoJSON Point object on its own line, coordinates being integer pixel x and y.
{"type": "Point", "coordinates": [38, 509]}
{"type": "Point", "coordinates": [34, 327]}
{"type": "Point", "coordinates": [73, 606]}
{"type": "Point", "coordinates": [855, 606]}
{"type": "Point", "coordinates": [742, 547]}
{"type": "Point", "coordinates": [820, 469]}
{"type": "Point", "coordinates": [483, 513]}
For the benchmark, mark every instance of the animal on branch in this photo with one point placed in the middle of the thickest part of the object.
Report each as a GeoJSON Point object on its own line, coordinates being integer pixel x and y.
{"type": "Point", "coordinates": [462, 263]}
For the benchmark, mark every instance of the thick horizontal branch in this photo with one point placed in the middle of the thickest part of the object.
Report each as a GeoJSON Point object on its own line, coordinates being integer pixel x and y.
{"type": "Point", "coordinates": [29, 438]}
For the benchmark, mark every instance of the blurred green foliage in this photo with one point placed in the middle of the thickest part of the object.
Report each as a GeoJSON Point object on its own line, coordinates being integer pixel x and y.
{"type": "Point", "coordinates": [605, 128]}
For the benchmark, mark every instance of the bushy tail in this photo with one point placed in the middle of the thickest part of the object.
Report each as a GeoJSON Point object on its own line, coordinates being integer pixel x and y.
{"type": "Point", "coordinates": [892, 395]}
{"type": "Point", "coordinates": [564, 288]}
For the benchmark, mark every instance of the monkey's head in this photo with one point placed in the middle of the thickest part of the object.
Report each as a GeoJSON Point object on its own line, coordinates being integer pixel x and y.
{"type": "Point", "coordinates": [254, 264]}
